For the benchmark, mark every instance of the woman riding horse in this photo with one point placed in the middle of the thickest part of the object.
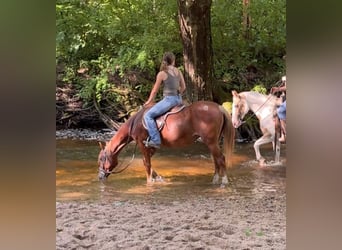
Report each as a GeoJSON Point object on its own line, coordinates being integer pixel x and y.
{"type": "Point", "coordinates": [174, 87]}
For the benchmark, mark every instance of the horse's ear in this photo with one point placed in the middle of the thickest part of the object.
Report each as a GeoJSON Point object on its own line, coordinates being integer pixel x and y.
{"type": "Point", "coordinates": [101, 146]}
{"type": "Point", "coordinates": [234, 93]}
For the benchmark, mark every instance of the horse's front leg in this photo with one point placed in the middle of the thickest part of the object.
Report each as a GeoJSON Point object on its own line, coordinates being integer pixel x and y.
{"type": "Point", "coordinates": [147, 154]}
{"type": "Point", "coordinates": [261, 141]}
{"type": "Point", "coordinates": [151, 175]}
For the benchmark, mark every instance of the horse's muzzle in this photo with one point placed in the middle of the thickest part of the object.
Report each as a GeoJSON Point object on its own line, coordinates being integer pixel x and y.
{"type": "Point", "coordinates": [102, 176]}
{"type": "Point", "coordinates": [237, 123]}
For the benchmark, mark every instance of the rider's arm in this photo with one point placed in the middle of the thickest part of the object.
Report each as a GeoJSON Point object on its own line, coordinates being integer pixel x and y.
{"type": "Point", "coordinates": [278, 89]}
{"type": "Point", "coordinates": [154, 91]}
{"type": "Point", "coordinates": [182, 86]}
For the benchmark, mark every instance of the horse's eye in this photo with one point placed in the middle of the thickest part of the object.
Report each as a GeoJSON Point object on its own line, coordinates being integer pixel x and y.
{"type": "Point", "coordinates": [236, 106]}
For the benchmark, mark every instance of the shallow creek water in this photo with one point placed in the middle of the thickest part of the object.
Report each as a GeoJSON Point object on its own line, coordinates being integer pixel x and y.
{"type": "Point", "coordinates": [187, 172]}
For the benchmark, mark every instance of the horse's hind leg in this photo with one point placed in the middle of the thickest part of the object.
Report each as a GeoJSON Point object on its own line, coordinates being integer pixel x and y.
{"type": "Point", "coordinates": [216, 177]}
{"type": "Point", "coordinates": [220, 165]}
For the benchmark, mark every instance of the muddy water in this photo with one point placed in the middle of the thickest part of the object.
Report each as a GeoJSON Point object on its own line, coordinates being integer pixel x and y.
{"type": "Point", "coordinates": [187, 172]}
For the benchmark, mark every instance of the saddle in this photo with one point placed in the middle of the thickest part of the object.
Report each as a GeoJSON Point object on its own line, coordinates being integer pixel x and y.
{"type": "Point", "coordinates": [160, 120]}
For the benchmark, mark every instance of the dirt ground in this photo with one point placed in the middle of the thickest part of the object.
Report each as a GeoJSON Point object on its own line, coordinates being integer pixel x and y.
{"type": "Point", "coordinates": [236, 222]}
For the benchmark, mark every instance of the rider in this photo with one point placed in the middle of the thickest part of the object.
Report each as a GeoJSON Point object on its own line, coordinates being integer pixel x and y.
{"type": "Point", "coordinates": [281, 110]}
{"type": "Point", "coordinates": [174, 87]}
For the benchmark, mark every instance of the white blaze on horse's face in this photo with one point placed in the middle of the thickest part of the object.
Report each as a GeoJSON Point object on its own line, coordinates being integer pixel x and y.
{"type": "Point", "coordinates": [239, 109]}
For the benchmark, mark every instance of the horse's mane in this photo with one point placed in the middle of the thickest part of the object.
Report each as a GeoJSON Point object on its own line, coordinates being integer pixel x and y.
{"type": "Point", "coordinates": [255, 97]}
{"type": "Point", "coordinates": [134, 120]}
{"type": "Point", "coordinates": [126, 132]}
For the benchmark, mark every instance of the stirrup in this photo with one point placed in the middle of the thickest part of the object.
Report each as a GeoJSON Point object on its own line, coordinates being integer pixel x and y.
{"type": "Point", "coordinates": [149, 144]}
{"type": "Point", "coordinates": [147, 141]}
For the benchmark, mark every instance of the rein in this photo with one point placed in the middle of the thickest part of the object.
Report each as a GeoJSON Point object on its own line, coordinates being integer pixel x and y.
{"type": "Point", "coordinates": [124, 168]}
{"type": "Point", "coordinates": [123, 145]}
{"type": "Point", "coordinates": [254, 113]}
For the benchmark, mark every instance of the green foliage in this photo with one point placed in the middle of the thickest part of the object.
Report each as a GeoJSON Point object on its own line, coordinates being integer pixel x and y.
{"type": "Point", "coordinates": [260, 89]}
{"type": "Point", "coordinates": [133, 33]}
{"type": "Point", "coordinates": [97, 87]}
{"type": "Point", "coordinates": [113, 37]}
{"type": "Point", "coordinates": [264, 49]}
{"type": "Point", "coordinates": [227, 106]}
{"type": "Point", "coordinates": [248, 232]}
{"type": "Point", "coordinates": [117, 37]}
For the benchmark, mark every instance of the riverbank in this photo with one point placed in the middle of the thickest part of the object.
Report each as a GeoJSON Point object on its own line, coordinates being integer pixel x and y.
{"type": "Point", "coordinates": [197, 223]}
{"type": "Point", "coordinates": [85, 134]}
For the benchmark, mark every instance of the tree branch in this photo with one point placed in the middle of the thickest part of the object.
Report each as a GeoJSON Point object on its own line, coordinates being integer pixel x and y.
{"type": "Point", "coordinates": [105, 118]}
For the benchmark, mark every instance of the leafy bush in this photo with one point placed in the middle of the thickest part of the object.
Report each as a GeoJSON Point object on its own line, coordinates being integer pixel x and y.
{"type": "Point", "coordinates": [112, 38]}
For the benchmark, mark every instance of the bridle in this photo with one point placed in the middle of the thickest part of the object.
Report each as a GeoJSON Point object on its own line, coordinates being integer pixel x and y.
{"type": "Point", "coordinates": [254, 113]}
{"type": "Point", "coordinates": [237, 107]}
{"type": "Point", "coordinates": [103, 171]}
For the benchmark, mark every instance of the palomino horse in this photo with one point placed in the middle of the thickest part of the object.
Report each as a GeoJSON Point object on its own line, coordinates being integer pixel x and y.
{"type": "Point", "coordinates": [203, 119]}
{"type": "Point", "coordinates": [263, 107]}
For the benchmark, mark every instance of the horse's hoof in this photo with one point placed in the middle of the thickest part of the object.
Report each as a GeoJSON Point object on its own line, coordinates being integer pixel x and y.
{"type": "Point", "coordinates": [159, 179]}
{"type": "Point", "coordinates": [224, 180]}
{"type": "Point", "coordinates": [222, 185]}
{"type": "Point", "coordinates": [150, 181]}
{"type": "Point", "coordinates": [262, 162]}
{"type": "Point", "coordinates": [216, 179]}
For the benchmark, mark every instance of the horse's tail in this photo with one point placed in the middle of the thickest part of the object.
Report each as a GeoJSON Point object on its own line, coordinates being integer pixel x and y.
{"type": "Point", "coordinates": [228, 132]}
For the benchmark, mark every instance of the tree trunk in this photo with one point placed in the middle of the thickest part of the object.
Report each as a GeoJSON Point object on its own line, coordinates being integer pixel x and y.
{"type": "Point", "coordinates": [194, 23]}
{"type": "Point", "coordinates": [246, 18]}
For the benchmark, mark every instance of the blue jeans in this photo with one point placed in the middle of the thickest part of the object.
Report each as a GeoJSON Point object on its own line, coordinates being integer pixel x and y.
{"type": "Point", "coordinates": [158, 109]}
{"type": "Point", "coordinates": [281, 111]}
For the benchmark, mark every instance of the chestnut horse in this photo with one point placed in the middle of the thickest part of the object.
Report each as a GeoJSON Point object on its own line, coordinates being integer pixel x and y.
{"type": "Point", "coordinates": [264, 108]}
{"type": "Point", "coordinates": [203, 119]}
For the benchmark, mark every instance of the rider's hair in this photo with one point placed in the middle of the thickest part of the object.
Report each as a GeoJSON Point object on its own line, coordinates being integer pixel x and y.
{"type": "Point", "coordinates": [168, 59]}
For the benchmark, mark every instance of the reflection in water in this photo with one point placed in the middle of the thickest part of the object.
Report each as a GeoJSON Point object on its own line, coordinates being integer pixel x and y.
{"type": "Point", "coordinates": [186, 172]}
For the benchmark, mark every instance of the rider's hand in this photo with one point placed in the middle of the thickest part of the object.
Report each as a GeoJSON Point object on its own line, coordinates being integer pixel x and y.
{"type": "Point", "coordinates": [274, 90]}
{"type": "Point", "coordinates": [147, 104]}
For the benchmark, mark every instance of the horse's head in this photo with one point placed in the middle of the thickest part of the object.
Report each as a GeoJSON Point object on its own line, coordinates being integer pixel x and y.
{"type": "Point", "coordinates": [106, 163]}
{"type": "Point", "coordinates": [239, 108]}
